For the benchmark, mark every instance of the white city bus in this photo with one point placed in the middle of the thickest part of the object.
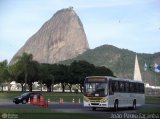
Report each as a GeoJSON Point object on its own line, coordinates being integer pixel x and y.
{"type": "Point", "coordinates": [111, 92]}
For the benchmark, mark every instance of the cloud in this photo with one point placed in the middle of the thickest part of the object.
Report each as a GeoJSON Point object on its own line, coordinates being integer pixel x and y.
{"type": "Point", "coordinates": [5, 55]}
{"type": "Point", "coordinates": [139, 22]}
{"type": "Point", "coordinates": [108, 31]}
{"type": "Point", "coordinates": [153, 23]}
{"type": "Point", "coordinates": [105, 3]}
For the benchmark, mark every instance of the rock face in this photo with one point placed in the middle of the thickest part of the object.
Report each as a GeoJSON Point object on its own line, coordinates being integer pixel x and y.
{"type": "Point", "coordinates": [60, 38]}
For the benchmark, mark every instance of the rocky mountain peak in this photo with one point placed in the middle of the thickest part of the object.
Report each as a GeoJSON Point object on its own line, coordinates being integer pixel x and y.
{"type": "Point", "coordinates": [62, 37]}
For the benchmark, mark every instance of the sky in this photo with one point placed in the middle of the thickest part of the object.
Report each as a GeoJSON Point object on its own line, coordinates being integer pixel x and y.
{"type": "Point", "coordinates": [128, 24]}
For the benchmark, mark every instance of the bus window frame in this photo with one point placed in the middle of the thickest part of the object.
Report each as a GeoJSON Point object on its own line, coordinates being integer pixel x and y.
{"type": "Point", "coordinates": [104, 82]}
{"type": "Point", "coordinates": [126, 84]}
{"type": "Point", "coordinates": [121, 86]}
{"type": "Point", "coordinates": [111, 87]}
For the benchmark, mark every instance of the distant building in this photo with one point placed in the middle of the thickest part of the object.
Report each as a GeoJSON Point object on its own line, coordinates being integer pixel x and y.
{"type": "Point", "coordinates": [13, 86]}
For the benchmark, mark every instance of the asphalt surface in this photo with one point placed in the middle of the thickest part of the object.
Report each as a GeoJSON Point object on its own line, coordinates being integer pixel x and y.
{"type": "Point", "coordinates": [69, 107]}
{"type": "Point", "coordinates": [8, 104]}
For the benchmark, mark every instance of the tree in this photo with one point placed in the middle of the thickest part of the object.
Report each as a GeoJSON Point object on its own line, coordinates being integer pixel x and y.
{"type": "Point", "coordinates": [4, 74]}
{"type": "Point", "coordinates": [60, 73]}
{"type": "Point", "coordinates": [45, 76]}
{"type": "Point", "coordinates": [80, 70]}
{"type": "Point", "coordinates": [71, 78]}
{"type": "Point", "coordinates": [29, 68]}
{"type": "Point", "coordinates": [20, 79]}
{"type": "Point", "coordinates": [103, 71]}
{"type": "Point", "coordinates": [33, 74]}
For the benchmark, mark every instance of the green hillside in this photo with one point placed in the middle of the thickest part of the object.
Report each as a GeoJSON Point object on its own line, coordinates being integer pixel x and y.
{"type": "Point", "coordinates": [121, 61]}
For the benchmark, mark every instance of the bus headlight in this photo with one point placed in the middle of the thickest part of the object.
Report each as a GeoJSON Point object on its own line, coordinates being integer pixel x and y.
{"type": "Point", "coordinates": [86, 99]}
{"type": "Point", "coordinates": [103, 100]}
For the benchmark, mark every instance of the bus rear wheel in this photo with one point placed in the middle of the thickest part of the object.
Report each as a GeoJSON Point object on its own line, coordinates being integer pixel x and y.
{"type": "Point", "coordinates": [116, 105]}
{"type": "Point", "coordinates": [134, 105]}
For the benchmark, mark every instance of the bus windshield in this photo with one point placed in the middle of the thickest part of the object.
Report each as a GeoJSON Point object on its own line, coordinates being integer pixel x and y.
{"type": "Point", "coordinates": [95, 89]}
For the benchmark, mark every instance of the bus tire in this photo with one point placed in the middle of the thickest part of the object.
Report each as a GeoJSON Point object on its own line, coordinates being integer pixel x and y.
{"type": "Point", "coordinates": [93, 108]}
{"type": "Point", "coordinates": [134, 105]}
{"type": "Point", "coordinates": [116, 105]}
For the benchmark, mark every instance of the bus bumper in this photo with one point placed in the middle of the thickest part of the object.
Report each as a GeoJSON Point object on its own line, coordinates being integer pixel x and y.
{"type": "Point", "coordinates": [95, 104]}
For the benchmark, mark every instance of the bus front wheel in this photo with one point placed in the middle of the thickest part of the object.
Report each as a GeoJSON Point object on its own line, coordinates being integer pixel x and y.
{"type": "Point", "coordinates": [116, 105]}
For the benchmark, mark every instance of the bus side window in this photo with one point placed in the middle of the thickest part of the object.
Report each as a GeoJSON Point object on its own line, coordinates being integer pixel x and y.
{"type": "Point", "coordinates": [111, 87]}
{"type": "Point", "coordinates": [131, 88]}
{"type": "Point", "coordinates": [121, 86]}
{"type": "Point", "coordinates": [141, 88]}
{"type": "Point", "coordinates": [126, 87]}
{"type": "Point", "coordinates": [135, 87]}
{"type": "Point", "coordinates": [116, 86]}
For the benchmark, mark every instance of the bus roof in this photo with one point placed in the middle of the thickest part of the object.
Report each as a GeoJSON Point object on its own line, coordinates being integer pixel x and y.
{"type": "Point", "coordinates": [114, 78]}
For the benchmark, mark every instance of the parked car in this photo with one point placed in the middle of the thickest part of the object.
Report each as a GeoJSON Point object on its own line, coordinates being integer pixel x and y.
{"type": "Point", "coordinates": [24, 98]}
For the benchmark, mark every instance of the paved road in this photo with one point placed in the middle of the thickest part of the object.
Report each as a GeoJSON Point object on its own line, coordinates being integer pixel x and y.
{"type": "Point", "coordinates": [73, 108]}
{"type": "Point", "coordinates": [100, 112]}
{"type": "Point", "coordinates": [8, 104]}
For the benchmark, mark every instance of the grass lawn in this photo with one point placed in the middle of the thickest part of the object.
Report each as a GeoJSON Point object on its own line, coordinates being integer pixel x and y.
{"type": "Point", "coordinates": [9, 95]}
{"type": "Point", "coordinates": [67, 97]}
{"type": "Point", "coordinates": [53, 96]}
{"type": "Point", "coordinates": [149, 111]}
{"type": "Point", "coordinates": [44, 114]}
{"type": "Point", "coordinates": [152, 99]}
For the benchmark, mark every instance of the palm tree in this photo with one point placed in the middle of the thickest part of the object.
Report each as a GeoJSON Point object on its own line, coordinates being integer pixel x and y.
{"type": "Point", "coordinates": [15, 73]}
{"type": "Point", "coordinates": [25, 64]}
